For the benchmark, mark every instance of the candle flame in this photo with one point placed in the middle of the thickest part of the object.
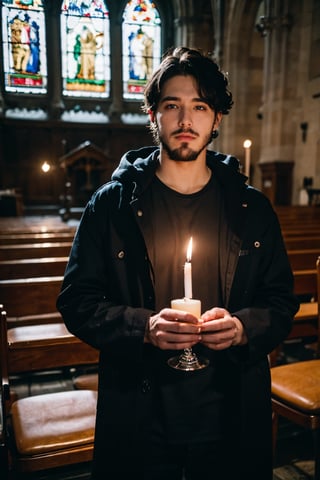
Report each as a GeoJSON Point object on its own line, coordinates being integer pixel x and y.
{"type": "Point", "coordinates": [189, 250]}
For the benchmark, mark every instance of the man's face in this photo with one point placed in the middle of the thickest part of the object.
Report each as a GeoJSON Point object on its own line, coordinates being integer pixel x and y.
{"type": "Point", "coordinates": [184, 120]}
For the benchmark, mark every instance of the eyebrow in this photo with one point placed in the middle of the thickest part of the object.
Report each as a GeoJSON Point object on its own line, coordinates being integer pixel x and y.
{"type": "Point", "coordinates": [169, 98]}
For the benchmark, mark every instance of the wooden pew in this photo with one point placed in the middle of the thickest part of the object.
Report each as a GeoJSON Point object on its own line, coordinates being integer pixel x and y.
{"type": "Point", "coordinates": [299, 221]}
{"type": "Point", "coordinates": [306, 320]}
{"type": "Point", "coordinates": [32, 267]}
{"type": "Point", "coordinates": [303, 230]}
{"type": "Point", "coordinates": [294, 213]}
{"type": "Point", "coordinates": [35, 250]}
{"type": "Point", "coordinates": [31, 300]}
{"type": "Point", "coordinates": [302, 243]}
{"type": "Point", "coordinates": [34, 421]}
{"type": "Point", "coordinates": [303, 259]}
{"type": "Point", "coordinates": [305, 283]}
{"type": "Point", "coordinates": [26, 226]}
{"type": "Point", "coordinates": [18, 238]}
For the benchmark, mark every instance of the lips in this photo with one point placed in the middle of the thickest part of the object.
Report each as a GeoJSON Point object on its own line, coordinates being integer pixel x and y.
{"type": "Point", "coordinates": [185, 137]}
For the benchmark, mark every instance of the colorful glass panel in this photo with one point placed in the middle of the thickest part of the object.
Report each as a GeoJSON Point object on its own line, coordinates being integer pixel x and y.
{"type": "Point", "coordinates": [24, 46]}
{"type": "Point", "coordinates": [85, 46]}
{"type": "Point", "coordinates": [141, 44]}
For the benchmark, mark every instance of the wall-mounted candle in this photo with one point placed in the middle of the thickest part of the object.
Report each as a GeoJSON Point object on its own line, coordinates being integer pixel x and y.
{"type": "Point", "coordinates": [45, 167]}
{"type": "Point", "coordinates": [247, 147]}
{"type": "Point", "coordinates": [188, 272]}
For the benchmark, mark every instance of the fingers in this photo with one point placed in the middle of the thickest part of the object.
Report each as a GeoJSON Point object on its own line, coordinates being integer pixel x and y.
{"type": "Point", "coordinates": [219, 340]}
{"type": "Point", "coordinates": [173, 329]}
{"type": "Point", "coordinates": [220, 330]}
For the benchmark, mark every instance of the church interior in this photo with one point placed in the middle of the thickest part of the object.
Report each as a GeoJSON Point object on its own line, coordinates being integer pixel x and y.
{"type": "Point", "coordinates": [69, 113]}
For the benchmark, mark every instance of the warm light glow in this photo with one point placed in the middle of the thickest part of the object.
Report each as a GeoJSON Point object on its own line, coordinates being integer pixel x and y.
{"type": "Point", "coordinates": [247, 143]}
{"type": "Point", "coordinates": [189, 250]}
{"type": "Point", "coordinates": [45, 167]}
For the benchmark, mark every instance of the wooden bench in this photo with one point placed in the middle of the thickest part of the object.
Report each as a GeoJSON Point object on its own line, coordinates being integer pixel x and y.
{"type": "Point", "coordinates": [37, 442]}
{"type": "Point", "coordinates": [302, 231]}
{"type": "Point", "coordinates": [302, 259]}
{"type": "Point", "coordinates": [305, 283]}
{"type": "Point", "coordinates": [32, 267]}
{"type": "Point", "coordinates": [31, 300]}
{"type": "Point", "coordinates": [306, 320]}
{"type": "Point", "coordinates": [302, 243]}
{"type": "Point", "coordinates": [26, 226]}
{"type": "Point", "coordinates": [18, 238]}
{"type": "Point", "coordinates": [35, 250]}
{"type": "Point", "coordinates": [295, 213]}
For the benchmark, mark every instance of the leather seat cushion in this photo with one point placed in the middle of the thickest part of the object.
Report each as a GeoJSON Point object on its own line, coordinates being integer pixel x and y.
{"type": "Point", "coordinates": [54, 421]}
{"type": "Point", "coordinates": [298, 384]}
{"type": "Point", "coordinates": [41, 332]}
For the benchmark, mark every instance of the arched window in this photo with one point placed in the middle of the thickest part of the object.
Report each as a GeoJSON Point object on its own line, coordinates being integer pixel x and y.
{"type": "Point", "coordinates": [95, 56]}
{"type": "Point", "coordinates": [141, 45]}
{"type": "Point", "coordinates": [24, 46]}
{"type": "Point", "coordinates": [85, 47]}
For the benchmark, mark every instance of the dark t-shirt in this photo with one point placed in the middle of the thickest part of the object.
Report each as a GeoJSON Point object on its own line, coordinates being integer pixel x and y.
{"type": "Point", "coordinates": [188, 403]}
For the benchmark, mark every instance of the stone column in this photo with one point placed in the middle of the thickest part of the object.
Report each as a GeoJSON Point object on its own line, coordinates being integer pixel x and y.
{"type": "Point", "coordinates": [279, 92]}
{"type": "Point", "coordinates": [53, 42]}
{"type": "Point", "coordinates": [279, 86]}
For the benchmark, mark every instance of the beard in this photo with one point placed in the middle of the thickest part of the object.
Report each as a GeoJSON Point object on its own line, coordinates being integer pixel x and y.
{"type": "Point", "coordinates": [184, 153]}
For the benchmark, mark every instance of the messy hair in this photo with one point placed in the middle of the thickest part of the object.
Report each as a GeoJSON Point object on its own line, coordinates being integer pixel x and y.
{"type": "Point", "coordinates": [212, 82]}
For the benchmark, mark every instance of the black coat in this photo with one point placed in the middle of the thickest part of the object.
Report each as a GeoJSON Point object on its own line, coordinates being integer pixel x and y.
{"type": "Point", "coordinates": [107, 297]}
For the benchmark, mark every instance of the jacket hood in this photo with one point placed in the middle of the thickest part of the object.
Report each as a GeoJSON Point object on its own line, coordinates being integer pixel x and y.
{"type": "Point", "coordinates": [137, 169]}
{"type": "Point", "coordinates": [137, 163]}
{"type": "Point", "coordinates": [143, 162]}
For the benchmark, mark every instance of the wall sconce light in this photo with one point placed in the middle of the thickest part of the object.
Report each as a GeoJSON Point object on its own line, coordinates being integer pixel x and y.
{"type": "Point", "coordinates": [45, 167]}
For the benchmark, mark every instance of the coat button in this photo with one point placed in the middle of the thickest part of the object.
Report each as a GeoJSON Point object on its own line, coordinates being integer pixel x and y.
{"type": "Point", "coordinates": [139, 213]}
{"type": "Point", "coordinates": [121, 254]}
{"type": "Point", "coordinates": [146, 387]}
{"type": "Point", "coordinates": [257, 244]}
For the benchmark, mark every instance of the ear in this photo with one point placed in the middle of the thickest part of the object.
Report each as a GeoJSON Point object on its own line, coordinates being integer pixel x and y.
{"type": "Point", "coordinates": [151, 115]}
{"type": "Point", "coordinates": [217, 120]}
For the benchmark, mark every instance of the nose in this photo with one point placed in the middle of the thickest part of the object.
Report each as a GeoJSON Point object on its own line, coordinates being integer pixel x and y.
{"type": "Point", "coordinates": [185, 118]}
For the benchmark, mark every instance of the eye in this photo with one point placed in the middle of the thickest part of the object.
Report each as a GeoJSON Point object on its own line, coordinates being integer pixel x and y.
{"type": "Point", "coordinates": [201, 107]}
{"type": "Point", "coordinates": [170, 106]}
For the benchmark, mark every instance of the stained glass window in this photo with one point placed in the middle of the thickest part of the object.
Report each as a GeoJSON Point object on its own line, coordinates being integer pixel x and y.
{"type": "Point", "coordinates": [24, 47]}
{"type": "Point", "coordinates": [141, 44]}
{"type": "Point", "coordinates": [85, 46]}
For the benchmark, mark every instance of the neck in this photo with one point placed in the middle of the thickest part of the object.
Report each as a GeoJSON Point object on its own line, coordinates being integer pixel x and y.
{"type": "Point", "coordinates": [184, 177]}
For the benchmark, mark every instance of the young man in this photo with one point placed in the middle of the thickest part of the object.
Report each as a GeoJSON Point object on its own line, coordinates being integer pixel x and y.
{"type": "Point", "coordinates": [125, 267]}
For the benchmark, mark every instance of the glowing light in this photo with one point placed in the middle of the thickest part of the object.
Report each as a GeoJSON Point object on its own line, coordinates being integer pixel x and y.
{"type": "Point", "coordinates": [45, 167]}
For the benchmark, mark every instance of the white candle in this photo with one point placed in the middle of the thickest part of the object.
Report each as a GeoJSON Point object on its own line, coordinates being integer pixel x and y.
{"type": "Point", "coordinates": [247, 146]}
{"type": "Point", "coordinates": [187, 305]}
{"type": "Point", "coordinates": [188, 272]}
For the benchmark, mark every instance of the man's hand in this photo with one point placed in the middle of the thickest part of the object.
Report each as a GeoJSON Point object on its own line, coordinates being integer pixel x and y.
{"type": "Point", "coordinates": [220, 330]}
{"type": "Point", "coordinates": [173, 330]}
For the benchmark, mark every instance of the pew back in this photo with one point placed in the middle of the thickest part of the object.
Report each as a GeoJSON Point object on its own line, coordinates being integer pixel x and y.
{"type": "Point", "coordinates": [30, 296]}
{"type": "Point", "coordinates": [303, 259]}
{"type": "Point", "coordinates": [32, 267]}
{"type": "Point", "coordinates": [35, 250]}
{"type": "Point", "coordinates": [22, 238]}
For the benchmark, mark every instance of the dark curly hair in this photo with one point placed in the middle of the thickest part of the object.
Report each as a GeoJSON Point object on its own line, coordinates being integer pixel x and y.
{"type": "Point", "coordinates": [212, 82]}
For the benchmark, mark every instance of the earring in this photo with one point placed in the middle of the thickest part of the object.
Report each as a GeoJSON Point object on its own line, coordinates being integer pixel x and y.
{"type": "Point", "coordinates": [214, 134]}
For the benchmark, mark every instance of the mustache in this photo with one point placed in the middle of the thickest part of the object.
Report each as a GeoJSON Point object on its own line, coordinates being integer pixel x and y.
{"type": "Point", "coordinates": [185, 130]}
